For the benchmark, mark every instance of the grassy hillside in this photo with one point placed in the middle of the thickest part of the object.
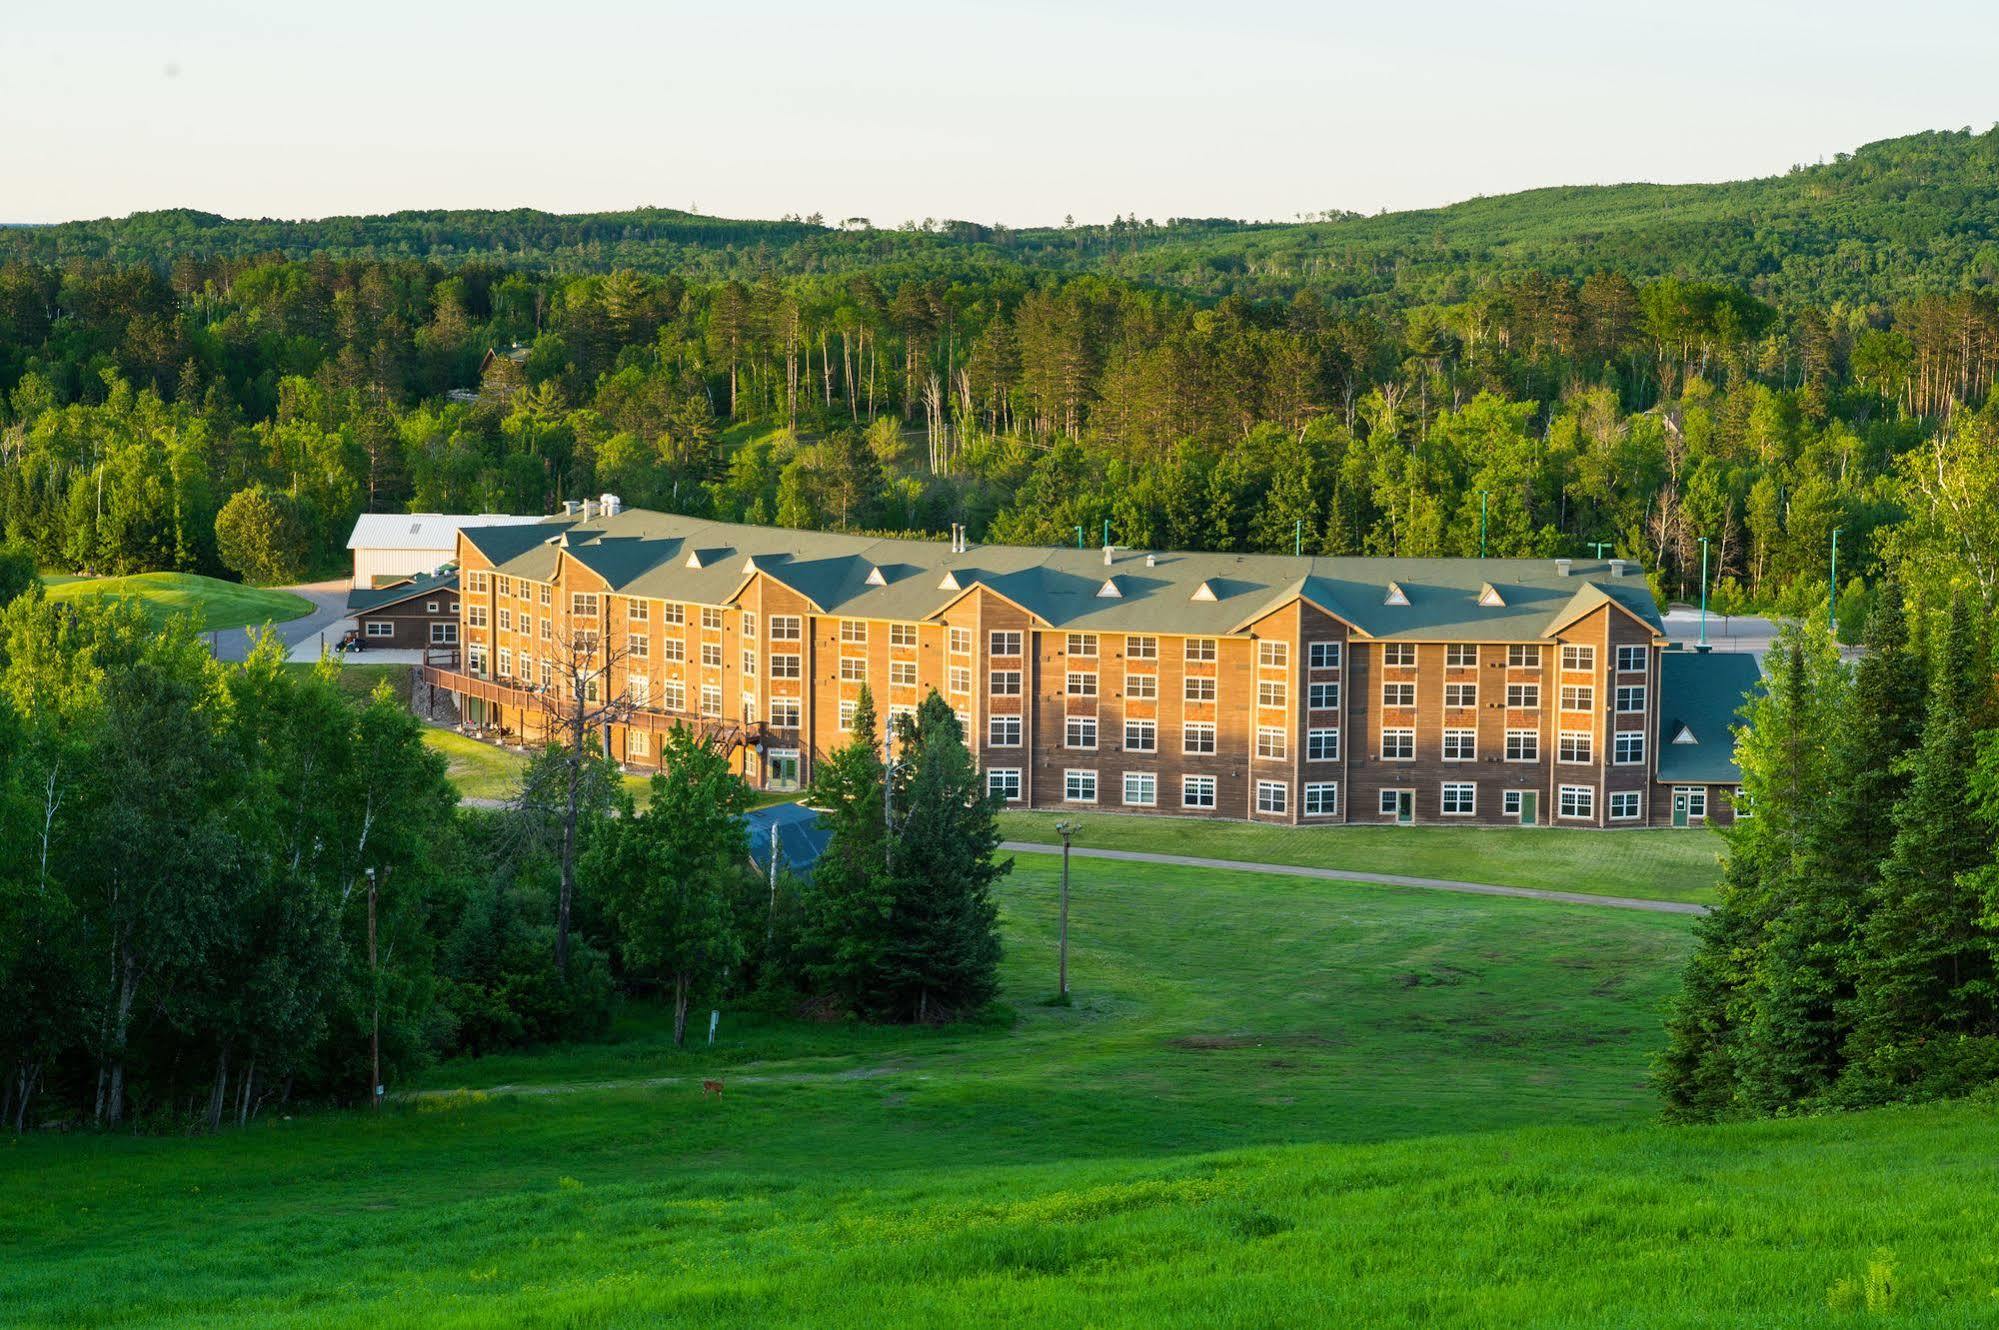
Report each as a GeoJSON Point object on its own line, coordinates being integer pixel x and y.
{"type": "Point", "coordinates": [1273, 1102]}
{"type": "Point", "coordinates": [216, 604]}
{"type": "Point", "coordinates": [1891, 219]}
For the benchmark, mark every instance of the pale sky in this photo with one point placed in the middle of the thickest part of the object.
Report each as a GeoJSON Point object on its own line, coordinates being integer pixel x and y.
{"type": "Point", "coordinates": [1019, 112]}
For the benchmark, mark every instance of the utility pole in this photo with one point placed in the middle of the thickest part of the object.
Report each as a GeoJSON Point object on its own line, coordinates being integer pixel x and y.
{"type": "Point", "coordinates": [1832, 604]}
{"type": "Point", "coordinates": [1065, 830]}
{"type": "Point", "coordinates": [1298, 538]}
{"type": "Point", "coordinates": [1107, 531]}
{"type": "Point", "coordinates": [1703, 641]}
{"type": "Point", "coordinates": [375, 1015]}
{"type": "Point", "coordinates": [1482, 495]}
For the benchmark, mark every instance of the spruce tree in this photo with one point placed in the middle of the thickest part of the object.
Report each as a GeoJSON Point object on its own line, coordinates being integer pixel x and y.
{"type": "Point", "coordinates": [943, 952]}
{"type": "Point", "coordinates": [847, 911]}
{"type": "Point", "coordinates": [1925, 966]}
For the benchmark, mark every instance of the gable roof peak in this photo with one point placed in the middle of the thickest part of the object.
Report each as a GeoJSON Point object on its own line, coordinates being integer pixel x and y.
{"type": "Point", "coordinates": [1396, 595]}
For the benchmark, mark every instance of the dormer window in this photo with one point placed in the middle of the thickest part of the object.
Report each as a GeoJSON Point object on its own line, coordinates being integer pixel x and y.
{"type": "Point", "coordinates": [1396, 595]}
{"type": "Point", "coordinates": [875, 577]}
{"type": "Point", "coordinates": [1204, 592]}
{"type": "Point", "coordinates": [1109, 591]}
{"type": "Point", "coordinates": [1685, 735]}
{"type": "Point", "coordinates": [1489, 597]}
{"type": "Point", "coordinates": [950, 582]}
{"type": "Point", "coordinates": [694, 558]}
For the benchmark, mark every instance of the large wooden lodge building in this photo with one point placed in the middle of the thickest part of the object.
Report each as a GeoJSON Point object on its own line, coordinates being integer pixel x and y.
{"type": "Point", "coordinates": [1268, 688]}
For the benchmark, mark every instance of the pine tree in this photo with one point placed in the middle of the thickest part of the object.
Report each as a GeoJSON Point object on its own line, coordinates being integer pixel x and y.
{"type": "Point", "coordinates": [847, 914]}
{"type": "Point", "coordinates": [942, 957]}
{"type": "Point", "coordinates": [1925, 968]}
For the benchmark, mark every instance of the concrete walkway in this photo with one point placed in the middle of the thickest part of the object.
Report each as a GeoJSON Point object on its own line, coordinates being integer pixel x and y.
{"type": "Point", "coordinates": [1377, 879]}
{"type": "Point", "coordinates": [301, 636]}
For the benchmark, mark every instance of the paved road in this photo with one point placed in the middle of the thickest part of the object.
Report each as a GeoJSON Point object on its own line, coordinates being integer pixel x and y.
{"type": "Point", "coordinates": [1378, 879]}
{"type": "Point", "coordinates": [329, 600]}
{"type": "Point", "coordinates": [1724, 632]}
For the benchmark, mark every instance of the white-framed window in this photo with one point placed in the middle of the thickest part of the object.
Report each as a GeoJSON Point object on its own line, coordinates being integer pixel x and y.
{"type": "Point", "coordinates": [785, 713]}
{"type": "Point", "coordinates": [1197, 736]}
{"type": "Point", "coordinates": [1523, 745]}
{"type": "Point", "coordinates": [638, 645]}
{"type": "Point", "coordinates": [1322, 696]}
{"type": "Point", "coordinates": [958, 641]}
{"type": "Point", "coordinates": [1141, 789]}
{"type": "Point", "coordinates": [1141, 687]}
{"type": "Point", "coordinates": [1199, 650]}
{"type": "Point", "coordinates": [1079, 787]}
{"type": "Point", "coordinates": [544, 594]}
{"type": "Point", "coordinates": [673, 696]}
{"type": "Point", "coordinates": [1578, 658]}
{"type": "Point", "coordinates": [1323, 655]}
{"type": "Point", "coordinates": [1578, 697]}
{"type": "Point", "coordinates": [1322, 799]}
{"type": "Point", "coordinates": [1273, 655]}
{"type": "Point", "coordinates": [1004, 643]}
{"type": "Point", "coordinates": [1460, 798]}
{"type": "Point", "coordinates": [1271, 693]}
{"type": "Point", "coordinates": [1460, 745]}
{"type": "Point", "coordinates": [1390, 802]}
{"type": "Point", "coordinates": [1398, 653]}
{"type": "Point", "coordinates": [672, 612]}
{"type": "Point", "coordinates": [1575, 801]}
{"type": "Point", "coordinates": [785, 666]}
{"type": "Point", "coordinates": [1523, 696]}
{"type": "Point", "coordinates": [1005, 683]}
{"type": "Point", "coordinates": [475, 616]}
{"type": "Point", "coordinates": [711, 700]}
{"type": "Point", "coordinates": [583, 604]}
{"type": "Point", "coordinates": [1630, 660]}
{"type": "Point", "coordinates": [1461, 655]}
{"type": "Point", "coordinates": [1197, 791]}
{"type": "Point", "coordinates": [1273, 796]}
{"type": "Point", "coordinates": [385, 628]}
{"type": "Point", "coordinates": [1460, 695]}
{"type": "Point", "coordinates": [786, 628]}
{"type": "Point", "coordinates": [503, 618]}
{"type": "Point", "coordinates": [958, 679]}
{"type": "Point", "coordinates": [902, 673]}
{"type": "Point", "coordinates": [638, 742]}
{"type": "Point", "coordinates": [711, 618]}
{"type": "Point", "coordinates": [848, 709]}
{"type": "Point", "coordinates": [1398, 745]}
{"type": "Point", "coordinates": [749, 664]}
{"type": "Point", "coordinates": [1509, 803]}
{"type": "Point", "coordinates": [853, 669]}
{"type": "Point", "coordinates": [1079, 732]}
{"type": "Point", "coordinates": [1739, 803]}
{"type": "Point", "coordinates": [475, 581]}
{"type": "Point", "coordinates": [1082, 683]}
{"type": "Point", "coordinates": [1624, 805]}
{"type": "Point", "coordinates": [547, 627]}
{"type": "Point", "coordinates": [640, 688]}
{"type": "Point", "coordinates": [1526, 657]}
{"type": "Point", "coordinates": [672, 648]}
{"type": "Point", "coordinates": [1272, 742]}
{"type": "Point", "coordinates": [1141, 736]}
{"type": "Point", "coordinates": [443, 634]}
{"type": "Point", "coordinates": [1003, 731]}
{"type": "Point", "coordinates": [1398, 695]}
{"type": "Point", "coordinates": [1004, 783]}
{"type": "Point", "coordinates": [902, 634]}
{"type": "Point", "coordinates": [637, 611]}
{"type": "Point", "coordinates": [1696, 797]}
{"type": "Point", "coordinates": [1322, 745]}
{"type": "Point", "coordinates": [1627, 748]}
{"type": "Point", "coordinates": [1141, 647]}
{"type": "Point", "coordinates": [1198, 688]}
{"type": "Point", "coordinates": [749, 625]}
{"type": "Point", "coordinates": [1081, 644]}
{"type": "Point", "coordinates": [1575, 747]}
{"type": "Point", "coordinates": [1630, 698]}
{"type": "Point", "coordinates": [854, 632]}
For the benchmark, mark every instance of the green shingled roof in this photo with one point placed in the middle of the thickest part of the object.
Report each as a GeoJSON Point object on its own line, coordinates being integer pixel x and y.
{"type": "Point", "coordinates": [363, 599]}
{"type": "Point", "coordinates": [651, 554]}
{"type": "Point", "coordinates": [1700, 698]}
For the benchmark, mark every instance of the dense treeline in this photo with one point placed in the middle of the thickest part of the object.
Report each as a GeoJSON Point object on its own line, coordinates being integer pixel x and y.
{"type": "Point", "coordinates": [1648, 416]}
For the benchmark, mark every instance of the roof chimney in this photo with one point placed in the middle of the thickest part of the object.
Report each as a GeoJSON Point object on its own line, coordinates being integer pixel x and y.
{"type": "Point", "coordinates": [613, 505]}
{"type": "Point", "coordinates": [589, 509]}
{"type": "Point", "coordinates": [1617, 567]}
{"type": "Point", "coordinates": [569, 507]}
{"type": "Point", "coordinates": [1109, 551]}
{"type": "Point", "coordinates": [1561, 567]}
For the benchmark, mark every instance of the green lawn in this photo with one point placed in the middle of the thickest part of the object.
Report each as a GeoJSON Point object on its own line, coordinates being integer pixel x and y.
{"type": "Point", "coordinates": [1656, 864]}
{"type": "Point", "coordinates": [216, 604]}
{"type": "Point", "coordinates": [1274, 1102]}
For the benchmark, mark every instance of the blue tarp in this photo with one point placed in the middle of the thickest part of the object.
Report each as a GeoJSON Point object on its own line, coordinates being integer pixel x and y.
{"type": "Point", "coordinates": [801, 837]}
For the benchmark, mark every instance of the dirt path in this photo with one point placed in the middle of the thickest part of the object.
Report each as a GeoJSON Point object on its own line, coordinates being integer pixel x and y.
{"type": "Point", "coordinates": [725, 1075]}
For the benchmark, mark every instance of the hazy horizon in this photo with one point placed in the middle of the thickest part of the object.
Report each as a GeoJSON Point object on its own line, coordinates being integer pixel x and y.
{"type": "Point", "coordinates": [1020, 114]}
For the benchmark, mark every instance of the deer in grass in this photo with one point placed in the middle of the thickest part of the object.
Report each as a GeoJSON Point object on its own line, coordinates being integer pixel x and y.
{"type": "Point", "coordinates": [711, 1087]}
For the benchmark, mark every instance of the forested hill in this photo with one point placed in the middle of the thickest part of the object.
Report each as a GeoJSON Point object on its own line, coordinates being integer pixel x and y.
{"type": "Point", "coordinates": [1894, 219]}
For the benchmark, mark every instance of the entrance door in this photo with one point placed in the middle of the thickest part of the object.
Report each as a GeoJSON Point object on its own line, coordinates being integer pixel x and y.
{"type": "Point", "coordinates": [1680, 801]}
{"type": "Point", "coordinates": [1405, 807]}
{"type": "Point", "coordinates": [1529, 801]}
{"type": "Point", "coordinates": [781, 770]}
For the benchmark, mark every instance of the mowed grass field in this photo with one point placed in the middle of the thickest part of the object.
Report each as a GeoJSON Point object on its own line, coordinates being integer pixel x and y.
{"type": "Point", "coordinates": [216, 605]}
{"type": "Point", "coordinates": [1658, 864]}
{"type": "Point", "coordinates": [1274, 1101]}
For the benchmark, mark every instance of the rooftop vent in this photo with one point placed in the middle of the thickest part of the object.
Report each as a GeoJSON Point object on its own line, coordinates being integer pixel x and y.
{"type": "Point", "coordinates": [960, 540]}
{"type": "Point", "coordinates": [950, 582]}
{"type": "Point", "coordinates": [1151, 561]}
{"type": "Point", "coordinates": [1561, 567]}
{"type": "Point", "coordinates": [1396, 595]}
{"type": "Point", "coordinates": [875, 577]}
{"type": "Point", "coordinates": [1685, 735]}
{"type": "Point", "coordinates": [589, 509]}
{"type": "Point", "coordinates": [569, 507]}
{"type": "Point", "coordinates": [1488, 596]}
{"type": "Point", "coordinates": [694, 559]}
{"type": "Point", "coordinates": [1617, 567]}
{"type": "Point", "coordinates": [1203, 592]}
{"type": "Point", "coordinates": [1110, 555]}
{"type": "Point", "coordinates": [613, 505]}
{"type": "Point", "coordinates": [1109, 591]}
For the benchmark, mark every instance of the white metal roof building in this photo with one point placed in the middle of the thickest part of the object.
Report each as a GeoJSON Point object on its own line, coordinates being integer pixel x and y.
{"type": "Point", "coordinates": [411, 544]}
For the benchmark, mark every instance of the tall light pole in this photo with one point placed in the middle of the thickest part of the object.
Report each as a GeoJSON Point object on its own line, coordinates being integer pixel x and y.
{"type": "Point", "coordinates": [1482, 495]}
{"type": "Point", "coordinates": [1600, 546]}
{"type": "Point", "coordinates": [1703, 641]}
{"type": "Point", "coordinates": [1832, 602]}
{"type": "Point", "coordinates": [1298, 537]}
{"type": "Point", "coordinates": [1065, 830]}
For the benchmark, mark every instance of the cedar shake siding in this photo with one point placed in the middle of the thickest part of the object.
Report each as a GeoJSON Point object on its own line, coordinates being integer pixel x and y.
{"type": "Point", "coordinates": [1290, 691]}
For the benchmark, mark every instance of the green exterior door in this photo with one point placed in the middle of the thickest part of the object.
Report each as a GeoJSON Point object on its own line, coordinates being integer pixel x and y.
{"type": "Point", "coordinates": [1529, 799]}
{"type": "Point", "coordinates": [1679, 808]}
{"type": "Point", "coordinates": [1405, 807]}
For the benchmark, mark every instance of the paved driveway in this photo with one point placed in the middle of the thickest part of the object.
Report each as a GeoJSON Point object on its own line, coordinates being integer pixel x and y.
{"type": "Point", "coordinates": [302, 636]}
